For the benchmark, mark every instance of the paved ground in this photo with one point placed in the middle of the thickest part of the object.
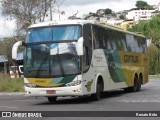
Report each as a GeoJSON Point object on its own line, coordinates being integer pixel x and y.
{"type": "Point", "coordinates": [146, 100]}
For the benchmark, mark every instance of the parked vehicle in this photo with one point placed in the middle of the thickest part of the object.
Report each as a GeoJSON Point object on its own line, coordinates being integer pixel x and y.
{"type": "Point", "coordinates": [16, 71]}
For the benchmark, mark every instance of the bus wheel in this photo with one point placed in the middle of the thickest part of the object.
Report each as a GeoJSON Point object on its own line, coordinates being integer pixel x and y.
{"type": "Point", "coordinates": [97, 95]}
{"type": "Point", "coordinates": [52, 99]}
{"type": "Point", "coordinates": [139, 84]}
{"type": "Point", "coordinates": [134, 88]}
{"type": "Point", "coordinates": [136, 84]}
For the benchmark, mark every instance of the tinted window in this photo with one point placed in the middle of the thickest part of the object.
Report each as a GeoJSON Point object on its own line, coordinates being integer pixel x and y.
{"type": "Point", "coordinates": [105, 38]}
{"type": "Point", "coordinates": [54, 33]}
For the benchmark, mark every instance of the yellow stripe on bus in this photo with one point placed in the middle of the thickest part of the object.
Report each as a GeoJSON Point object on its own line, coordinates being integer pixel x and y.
{"type": "Point", "coordinates": [46, 82]}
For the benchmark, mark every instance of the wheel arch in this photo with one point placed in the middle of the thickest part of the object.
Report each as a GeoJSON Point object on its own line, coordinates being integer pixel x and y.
{"type": "Point", "coordinates": [99, 78]}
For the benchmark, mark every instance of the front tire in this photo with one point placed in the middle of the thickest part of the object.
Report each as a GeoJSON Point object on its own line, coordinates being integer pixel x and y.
{"type": "Point", "coordinates": [99, 89]}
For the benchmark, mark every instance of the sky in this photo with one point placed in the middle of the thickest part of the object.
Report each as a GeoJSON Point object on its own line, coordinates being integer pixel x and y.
{"type": "Point", "coordinates": [86, 6]}
{"type": "Point", "coordinates": [82, 7]}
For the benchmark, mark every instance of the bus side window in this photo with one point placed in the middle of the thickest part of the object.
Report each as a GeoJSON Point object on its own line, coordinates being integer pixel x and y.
{"type": "Point", "coordinates": [85, 59]}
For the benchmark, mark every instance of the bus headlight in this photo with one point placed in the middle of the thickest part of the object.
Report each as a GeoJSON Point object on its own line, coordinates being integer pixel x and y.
{"type": "Point", "coordinates": [74, 83]}
{"type": "Point", "coordinates": [30, 85]}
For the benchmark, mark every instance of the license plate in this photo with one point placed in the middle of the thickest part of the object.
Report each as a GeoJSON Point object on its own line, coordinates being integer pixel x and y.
{"type": "Point", "coordinates": [50, 91]}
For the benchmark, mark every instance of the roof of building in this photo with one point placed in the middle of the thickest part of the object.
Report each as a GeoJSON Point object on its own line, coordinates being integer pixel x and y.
{"type": "Point", "coordinates": [140, 9]}
{"type": "Point", "coordinates": [3, 58]}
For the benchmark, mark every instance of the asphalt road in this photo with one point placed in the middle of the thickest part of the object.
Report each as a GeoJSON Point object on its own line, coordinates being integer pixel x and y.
{"type": "Point", "coordinates": [148, 99]}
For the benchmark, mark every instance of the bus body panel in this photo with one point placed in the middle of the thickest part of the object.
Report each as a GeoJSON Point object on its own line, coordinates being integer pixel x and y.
{"type": "Point", "coordinates": [59, 91]}
{"type": "Point", "coordinates": [103, 67]}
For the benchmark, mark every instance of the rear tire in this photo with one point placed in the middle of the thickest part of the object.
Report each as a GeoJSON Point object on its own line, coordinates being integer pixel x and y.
{"type": "Point", "coordinates": [139, 84]}
{"type": "Point", "coordinates": [52, 99]}
{"type": "Point", "coordinates": [136, 87]}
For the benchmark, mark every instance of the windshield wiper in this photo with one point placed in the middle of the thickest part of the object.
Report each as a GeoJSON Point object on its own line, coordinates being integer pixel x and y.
{"type": "Point", "coordinates": [40, 66]}
{"type": "Point", "coordinates": [61, 66]}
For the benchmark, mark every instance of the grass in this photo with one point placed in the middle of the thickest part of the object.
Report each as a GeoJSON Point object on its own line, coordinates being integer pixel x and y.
{"type": "Point", "coordinates": [8, 84]}
{"type": "Point", "coordinates": [157, 76]}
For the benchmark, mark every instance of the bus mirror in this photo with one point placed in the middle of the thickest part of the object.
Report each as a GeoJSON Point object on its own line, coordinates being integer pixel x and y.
{"type": "Point", "coordinates": [15, 48]}
{"type": "Point", "coordinates": [79, 46]}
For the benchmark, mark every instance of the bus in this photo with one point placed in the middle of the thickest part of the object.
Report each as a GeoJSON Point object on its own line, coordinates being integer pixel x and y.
{"type": "Point", "coordinates": [82, 57]}
{"type": "Point", "coordinates": [16, 71]}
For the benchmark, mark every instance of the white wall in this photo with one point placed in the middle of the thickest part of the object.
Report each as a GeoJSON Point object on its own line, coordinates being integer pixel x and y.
{"type": "Point", "coordinates": [139, 14]}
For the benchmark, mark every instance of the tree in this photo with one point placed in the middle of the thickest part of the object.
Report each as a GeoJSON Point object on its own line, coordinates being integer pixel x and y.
{"type": "Point", "coordinates": [143, 5]}
{"type": "Point", "coordinates": [93, 14]}
{"type": "Point", "coordinates": [58, 3]}
{"type": "Point", "coordinates": [122, 17]}
{"type": "Point", "coordinates": [107, 11]}
{"type": "Point", "coordinates": [6, 49]}
{"type": "Point", "coordinates": [151, 29]}
{"type": "Point", "coordinates": [26, 12]}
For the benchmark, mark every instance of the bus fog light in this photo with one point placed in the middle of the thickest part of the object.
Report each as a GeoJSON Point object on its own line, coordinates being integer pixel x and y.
{"type": "Point", "coordinates": [74, 83]}
{"type": "Point", "coordinates": [30, 85]}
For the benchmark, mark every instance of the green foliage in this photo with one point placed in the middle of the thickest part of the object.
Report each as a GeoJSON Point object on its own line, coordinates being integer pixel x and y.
{"type": "Point", "coordinates": [26, 12]}
{"type": "Point", "coordinates": [122, 17]}
{"type": "Point", "coordinates": [6, 46]}
{"type": "Point", "coordinates": [150, 28]}
{"type": "Point", "coordinates": [154, 66]}
{"type": "Point", "coordinates": [143, 5]}
{"type": "Point", "coordinates": [93, 14]}
{"type": "Point", "coordinates": [8, 84]}
{"type": "Point", "coordinates": [107, 11]}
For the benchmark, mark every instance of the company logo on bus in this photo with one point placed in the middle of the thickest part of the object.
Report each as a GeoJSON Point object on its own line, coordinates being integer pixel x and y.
{"type": "Point", "coordinates": [40, 81]}
{"type": "Point", "coordinates": [131, 59]}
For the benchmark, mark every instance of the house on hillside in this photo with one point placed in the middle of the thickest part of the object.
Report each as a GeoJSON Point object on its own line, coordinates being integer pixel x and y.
{"type": "Point", "coordinates": [139, 14]}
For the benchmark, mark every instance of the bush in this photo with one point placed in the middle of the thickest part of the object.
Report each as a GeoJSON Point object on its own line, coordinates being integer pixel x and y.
{"type": "Point", "coordinates": [8, 84]}
{"type": "Point", "coordinates": [154, 66]}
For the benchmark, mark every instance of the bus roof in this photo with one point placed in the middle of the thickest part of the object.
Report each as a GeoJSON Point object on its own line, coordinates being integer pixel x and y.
{"type": "Point", "coordinates": [66, 22]}
{"type": "Point", "coordinates": [82, 22]}
{"type": "Point", "coordinates": [116, 28]}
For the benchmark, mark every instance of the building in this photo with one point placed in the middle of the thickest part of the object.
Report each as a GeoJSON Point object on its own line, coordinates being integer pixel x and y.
{"type": "Point", "coordinates": [139, 14]}
{"type": "Point", "coordinates": [4, 65]}
{"type": "Point", "coordinates": [126, 24]}
{"type": "Point", "coordinates": [100, 12]}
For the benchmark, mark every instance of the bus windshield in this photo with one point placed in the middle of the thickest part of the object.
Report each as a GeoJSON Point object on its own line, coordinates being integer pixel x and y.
{"type": "Point", "coordinates": [54, 33]}
{"type": "Point", "coordinates": [51, 60]}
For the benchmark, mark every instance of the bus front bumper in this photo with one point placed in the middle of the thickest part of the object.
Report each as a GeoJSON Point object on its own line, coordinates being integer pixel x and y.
{"type": "Point", "coordinates": [55, 91]}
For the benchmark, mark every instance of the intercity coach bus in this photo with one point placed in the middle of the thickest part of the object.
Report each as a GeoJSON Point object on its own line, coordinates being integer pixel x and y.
{"type": "Point", "coordinates": [82, 57]}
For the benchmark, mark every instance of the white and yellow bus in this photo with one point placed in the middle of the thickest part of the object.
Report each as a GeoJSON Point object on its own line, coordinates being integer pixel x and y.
{"type": "Point", "coordinates": [82, 57]}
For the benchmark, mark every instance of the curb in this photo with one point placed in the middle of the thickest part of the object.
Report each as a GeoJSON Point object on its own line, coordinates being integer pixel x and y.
{"type": "Point", "coordinates": [12, 93]}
